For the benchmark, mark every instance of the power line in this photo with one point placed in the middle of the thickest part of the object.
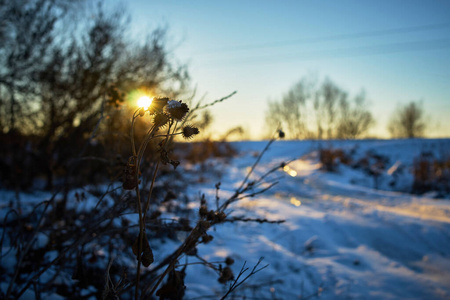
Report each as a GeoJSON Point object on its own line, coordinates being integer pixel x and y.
{"type": "Point", "coordinates": [346, 52]}
{"type": "Point", "coordinates": [337, 37]}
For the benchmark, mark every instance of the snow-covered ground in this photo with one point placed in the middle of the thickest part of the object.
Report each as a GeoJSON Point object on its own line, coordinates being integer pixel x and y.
{"type": "Point", "coordinates": [341, 238]}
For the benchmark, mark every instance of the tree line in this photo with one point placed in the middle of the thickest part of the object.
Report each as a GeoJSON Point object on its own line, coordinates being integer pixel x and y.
{"type": "Point", "coordinates": [323, 110]}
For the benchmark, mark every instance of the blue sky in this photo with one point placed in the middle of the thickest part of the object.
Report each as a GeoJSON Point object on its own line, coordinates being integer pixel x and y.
{"type": "Point", "coordinates": [397, 51]}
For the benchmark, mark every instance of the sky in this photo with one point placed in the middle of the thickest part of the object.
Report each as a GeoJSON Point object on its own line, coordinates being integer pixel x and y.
{"type": "Point", "coordinates": [396, 51]}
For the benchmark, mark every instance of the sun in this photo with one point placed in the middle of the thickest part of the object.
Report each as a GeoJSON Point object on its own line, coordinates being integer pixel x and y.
{"type": "Point", "coordinates": [144, 102]}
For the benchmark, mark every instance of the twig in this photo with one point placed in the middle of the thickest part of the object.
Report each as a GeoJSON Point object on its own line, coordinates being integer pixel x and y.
{"type": "Point", "coordinates": [242, 188]}
{"type": "Point", "coordinates": [256, 192]}
{"type": "Point", "coordinates": [257, 220]}
{"type": "Point", "coordinates": [236, 282]}
{"type": "Point", "coordinates": [4, 232]}
{"type": "Point", "coordinates": [215, 102]}
{"type": "Point", "coordinates": [28, 246]}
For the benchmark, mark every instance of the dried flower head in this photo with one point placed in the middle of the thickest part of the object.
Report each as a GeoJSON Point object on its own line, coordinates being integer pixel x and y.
{"type": "Point", "coordinates": [203, 211]}
{"type": "Point", "coordinates": [226, 275]}
{"type": "Point", "coordinates": [207, 238]}
{"type": "Point", "coordinates": [189, 131]}
{"type": "Point", "coordinates": [229, 261]}
{"type": "Point", "coordinates": [176, 109]}
{"type": "Point", "coordinates": [203, 226]}
{"type": "Point", "coordinates": [158, 105]}
{"type": "Point", "coordinates": [221, 216]}
{"type": "Point", "coordinates": [160, 119]}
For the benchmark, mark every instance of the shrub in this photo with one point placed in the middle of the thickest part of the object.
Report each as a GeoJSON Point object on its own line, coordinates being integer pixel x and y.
{"type": "Point", "coordinates": [431, 174]}
{"type": "Point", "coordinates": [330, 158]}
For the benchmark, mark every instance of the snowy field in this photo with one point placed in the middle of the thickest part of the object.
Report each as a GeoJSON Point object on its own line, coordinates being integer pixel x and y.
{"type": "Point", "coordinates": [341, 239]}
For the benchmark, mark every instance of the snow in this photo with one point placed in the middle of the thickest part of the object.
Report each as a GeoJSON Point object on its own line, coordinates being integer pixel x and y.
{"type": "Point", "coordinates": [341, 239]}
{"type": "Point", "coordinates": [173, 104]}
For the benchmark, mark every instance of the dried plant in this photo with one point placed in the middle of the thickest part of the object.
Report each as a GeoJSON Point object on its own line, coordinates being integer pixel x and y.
{"type": "Point", "coordinates": [165, 115]}
{"type": "Point", "coordinates": [72, 234]}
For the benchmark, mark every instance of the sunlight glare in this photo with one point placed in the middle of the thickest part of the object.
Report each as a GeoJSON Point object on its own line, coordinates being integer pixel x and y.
{"type": "Point", "coordinates": [295, 201]}
{"type": "Point", "coordinates": [144, 102]}
{"type": "Point", "coordinates": [291, 172]}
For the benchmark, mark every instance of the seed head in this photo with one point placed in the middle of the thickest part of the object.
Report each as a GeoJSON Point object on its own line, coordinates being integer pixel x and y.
{"type": "Point", "coordinates": [221, 216]}
{"type": "Point", "coordinates": [158, 105]}
{"type": "Point", "coordinates": [229, 261]}
{"type": "Point", "coordinates": [204, 226]}
{"type": "Point", "coordinates": [176, 109]}
{"type": "Point", "coordinates": [203, 211]}
{"type": "Point", "coordinates": [160, 119]}
{"type": "Point", "coordinates": [207, 238]}
{"type": "Point", "coordinates": [226, 275]}
{"type": "Point", "coordinates": [189, 131]}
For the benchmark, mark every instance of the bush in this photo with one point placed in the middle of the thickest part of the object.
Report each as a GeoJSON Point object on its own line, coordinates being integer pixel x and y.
{"type": "Point", "coordinates": [200, 151]}
{"type": "Point", "coordinates": [431, 174]}
{"type": "Point", "coordinates": [330, 158]}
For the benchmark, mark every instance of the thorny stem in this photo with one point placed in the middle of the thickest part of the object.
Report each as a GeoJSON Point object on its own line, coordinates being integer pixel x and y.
{"type": "Point", "coordinates": [256, 163]}
{"type": "Point", "coordinates": [164, 146]}
{"type": "Point", "coordinates": [242, 189]}
{"type": "Point", "coordinates": [144, 144]}
{"type": "Point", "coordinates": [133, 147]}
{"type": "Point", "coordinates": [151, 190]}
{"type": "Point", "coordinates": [147, 205]}
{"type": "Point", "coordinates": [139, 204]}
{"type": "Point", "coordinates": [141, 235]}
{"type": "Point", "coordinates": [143, 214]}
{"type": "Point", "coordinates": [193, 236]}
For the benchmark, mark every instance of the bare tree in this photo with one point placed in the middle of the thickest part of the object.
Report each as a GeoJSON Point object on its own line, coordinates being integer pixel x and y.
{"type": "Point", "coordinates": [320, 111]}
{"type": "Point", "coordinates": [326, 103]}
{"type": "Point", "coordinates": [408, 121]}
{"type": "Point", "coordinates": [355, 118]}
{"type": "Point", "coordinates": [290, 112]}
{"type": "Point", "coordinates": [26, 32]}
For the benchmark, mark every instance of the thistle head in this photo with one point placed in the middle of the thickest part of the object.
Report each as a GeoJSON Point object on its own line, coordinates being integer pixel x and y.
{"type": "Point", "coordinates": [176, 109]}
{"type": "Point", "coordinates": [158, 105]}
{"type": "Point", "coordinates": [189, 131]}
{"type": "Point", "coordinates": [160, 119]}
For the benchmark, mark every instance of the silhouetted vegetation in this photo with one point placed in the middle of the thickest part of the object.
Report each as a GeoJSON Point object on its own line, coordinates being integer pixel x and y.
{"type": "Point", "coordinates": [325, 111]}
{"type": "Point", "coordinates": [69, 78]}
{"type": "Point", "coordinates": [408, 121]}
{"type": "Point", "coordinates": [59, 84]}
{"type": "Point", "coordinates": [431, 174]}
